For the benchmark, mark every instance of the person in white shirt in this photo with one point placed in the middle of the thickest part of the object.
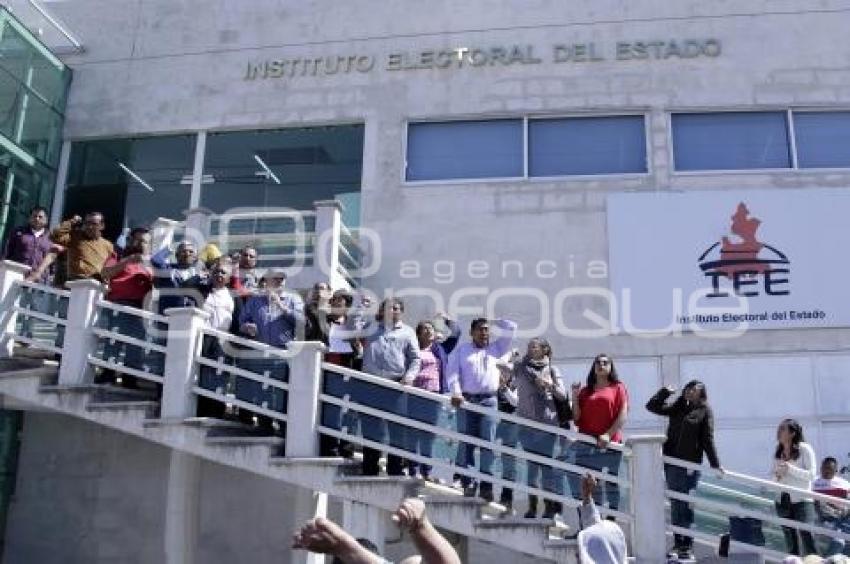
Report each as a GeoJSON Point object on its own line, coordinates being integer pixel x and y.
{"type": "Point", "coordinates": [474, 377]}
{"type": "Point", "coordinates": [599, 541]}
{"type": "Point", "coordinates": [219, 304]}
{"type": "Point", "coordinates": [833, 515]}
{"type": "Point", "coordinates": [794, 465]}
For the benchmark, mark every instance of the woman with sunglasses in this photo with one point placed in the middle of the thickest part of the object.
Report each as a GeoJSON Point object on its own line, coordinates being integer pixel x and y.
{"type": "Point", "coordinates": [599, 409]}
{"type": "Point", "coordinates": [794, 464]}
{"type": "Point", "coordinates": [690, 434]}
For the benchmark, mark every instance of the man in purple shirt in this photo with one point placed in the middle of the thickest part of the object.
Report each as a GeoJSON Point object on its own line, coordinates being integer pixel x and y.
{"type": "Point", "coordinates": [29, 245]}
{"type": "Point", "coordinates": [474, 377]}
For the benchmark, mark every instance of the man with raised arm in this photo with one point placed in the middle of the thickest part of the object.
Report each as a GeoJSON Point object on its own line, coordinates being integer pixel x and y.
{"type": "Point", "coordinates": [474, 377]}
{"type": "Point", "coordinates": [85, 248]}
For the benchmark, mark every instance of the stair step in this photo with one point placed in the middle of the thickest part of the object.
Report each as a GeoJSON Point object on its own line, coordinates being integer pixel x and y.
{"type": "Point", "coordinates": [236, 440]}
{"type": "Point", "coordinates": [395, 480]}
{"type": "Point", "coordinates": [520, 522]}
{"type": "Point", "coordinates": [122, 405]}
{"type": "Point", "coordinates": [560, 543]}
{"type": "Point", "coordinates": [102, 392]}
{"type": "Point", "coordinates": [444, 499]}
{"type": "Point", "coordinates": [29, 368]}
{"type": "Point", "coordinates": [337, 461]}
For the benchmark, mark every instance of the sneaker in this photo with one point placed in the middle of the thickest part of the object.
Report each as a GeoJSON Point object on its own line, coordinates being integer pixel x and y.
{"type": "Point", "coordinates": [723, 549]}
{"type": "Point", "coordinates": [686, 554]}
{"type": "Point", "coordinates": [486, 494]}
{"type": "Point", "coordinates": [530, 514]}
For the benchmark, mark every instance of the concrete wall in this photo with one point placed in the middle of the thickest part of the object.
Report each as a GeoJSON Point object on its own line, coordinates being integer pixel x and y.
{"type": "Point", "coordinates": [90, 495]}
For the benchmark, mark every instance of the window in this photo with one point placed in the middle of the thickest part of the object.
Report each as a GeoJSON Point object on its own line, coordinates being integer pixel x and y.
{"type": "Point", "coordinates": [586, 145]}
{"type": "Point", "coordinates": [823, 139]}
{"type": "Point", "coordinates": [132, 181]}
{"type": "Point", "coordinates": [283, 168]}
{"type": "Point", "coordinates": [731, 141]}
{"type": "Point", "coordinates": [465, 149]}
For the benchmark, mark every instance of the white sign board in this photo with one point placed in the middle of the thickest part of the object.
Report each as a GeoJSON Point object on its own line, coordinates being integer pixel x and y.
{"type": "Point", "coordinates": [730, 259]}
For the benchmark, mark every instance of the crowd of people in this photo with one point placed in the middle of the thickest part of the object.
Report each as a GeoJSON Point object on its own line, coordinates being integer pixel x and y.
{"type": "Point", "coordinates": [484, 371]}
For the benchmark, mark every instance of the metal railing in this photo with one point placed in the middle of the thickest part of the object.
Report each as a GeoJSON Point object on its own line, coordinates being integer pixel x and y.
{"type": "Point", "coordinates": [747, 497]}
{"type": "Point", "coordinates": [227, 372]}
{"type": "Point", "coordinates": [295, 388]}
{"type": "Point", "coordinates": [41, 313]}
{"type": "Point", "coordinates": [351, 394]}
{"type": "Point", "coordinates": [131, 341]}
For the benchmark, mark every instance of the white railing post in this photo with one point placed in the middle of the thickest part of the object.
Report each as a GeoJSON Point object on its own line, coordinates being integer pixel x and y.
{"type": "Point", "coordinates": [302, 437]}
{"type": "Point", "coordinates": [10, 273]}
{"type": "Point", "coordinates": [649, 537]}
{"type": "Point", "coordinates": [79, 340]}
{"type": "Point", "coordinates": [328, 239]}
{"type": "Point", "coordinates": [184, 332]}
{"type": "Point", "coordinates": [302, 412]}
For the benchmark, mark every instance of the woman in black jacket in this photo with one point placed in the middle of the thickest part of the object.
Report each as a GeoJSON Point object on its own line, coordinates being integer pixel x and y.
{"type": "Point", "coordinates": [689, 435]}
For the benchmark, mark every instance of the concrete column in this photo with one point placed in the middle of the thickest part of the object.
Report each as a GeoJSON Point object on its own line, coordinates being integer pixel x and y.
{"type": "Point", "coordinates": [184, 331]}
{"type": "Point", "coordinates": [365, 521]}
{"type": "Point", "coordinates": [305, 378]}
{"type": "Point", "coordinates": [10, 273]}
{"type": "Point", "coordinates": [80, 340]}
{"type": "Point", "coordinates": [181, 508]}
{"type": "Point", "coordinates": [326, 250]}
{"type": "Point", "coordinates": [649, 539]}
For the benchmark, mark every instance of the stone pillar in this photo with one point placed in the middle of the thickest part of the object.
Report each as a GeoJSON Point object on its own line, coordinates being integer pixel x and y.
{"type": "Point", "coordinates": [79, 339]}
{"type": "Point", "coordinates": [10, 273]}
{"type": "Point", "coordinates": [305, 377]}
{"type": "Point", "coordinates": [326, 249]}
{"type": "Point", "coordinates": [365, 521]}
{"type": "Point", "coordinates": [182, 508]}
{"type": "Point", "coordinates": [184, 331]}
{"type": "Point", "coordinates": [649, 540]}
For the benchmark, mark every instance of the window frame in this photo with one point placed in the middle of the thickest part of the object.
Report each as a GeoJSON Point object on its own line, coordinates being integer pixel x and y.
{"type": "Point", "coordinates": [526, 177]}
{"type": "Point", "coordinates": [671, 149]}
{"type": "Point", "coordinates": [816, 110]}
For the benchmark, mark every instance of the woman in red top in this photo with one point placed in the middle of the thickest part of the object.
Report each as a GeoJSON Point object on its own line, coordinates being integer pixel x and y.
{"type": "Point", "coordinates": [599, 410]}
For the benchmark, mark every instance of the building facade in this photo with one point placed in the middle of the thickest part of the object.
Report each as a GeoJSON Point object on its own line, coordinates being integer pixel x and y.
{"type": "Point", "coordinates": [485, 148]}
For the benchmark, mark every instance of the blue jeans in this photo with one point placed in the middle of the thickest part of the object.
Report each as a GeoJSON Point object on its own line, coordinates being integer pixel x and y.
{"type": "Point", "coordinates": [129, 326]}
{"type": "Point", "coordinates": [836, 546]}
{"type": "Point", "coordinates": [607, 460]}
{"type": "Point", "coordinates": [378, 429]}
{"type": "Point", "coordinates": [61, 305]}
{"type": "Point", "coordinates": [541, 443]}
{"type": "Point", "coordinates": [507, 432]}
{"type": "Point", "coordinates": [804, 512]}
{"type": "Point", "coordinates": [683, 481]}
{"type": "Point", "coordinates": [421, 442]}
{"type": "Point", "coordinates": [479, 426]}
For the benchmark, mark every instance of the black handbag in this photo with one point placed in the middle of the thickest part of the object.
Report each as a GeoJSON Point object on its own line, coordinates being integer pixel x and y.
{"type": "Point", "coordinates": [564, 410]}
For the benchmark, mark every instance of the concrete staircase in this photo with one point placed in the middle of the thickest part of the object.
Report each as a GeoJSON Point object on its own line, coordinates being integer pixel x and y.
{"type": "Point", "coordinates": [32, 382]}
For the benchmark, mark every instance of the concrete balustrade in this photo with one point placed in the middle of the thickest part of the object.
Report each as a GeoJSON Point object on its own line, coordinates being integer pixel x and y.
{"type": "Point", "coordinates": [303, 418]}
